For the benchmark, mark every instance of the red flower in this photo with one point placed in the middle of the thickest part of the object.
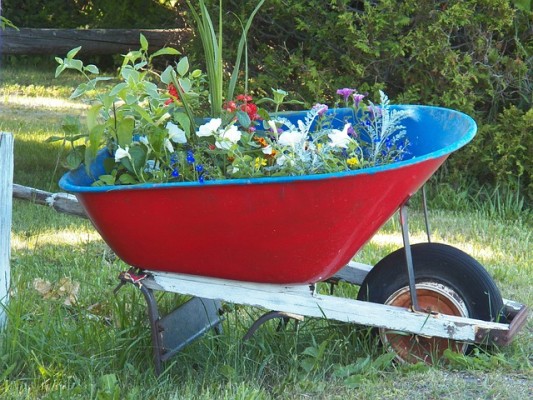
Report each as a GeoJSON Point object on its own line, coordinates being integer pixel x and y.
{"type": "Point", "coordinates": [251, 110]}
{"type": "Point", "coordinates": [173, 92]}
{"type": "Point", "coordinates": [244, 97]}
{"type": "Point", "coordinates": [230, 106]}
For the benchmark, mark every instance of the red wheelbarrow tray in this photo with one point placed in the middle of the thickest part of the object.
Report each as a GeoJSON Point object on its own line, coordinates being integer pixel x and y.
{"type": "Point", "coordinates": [284, 230]}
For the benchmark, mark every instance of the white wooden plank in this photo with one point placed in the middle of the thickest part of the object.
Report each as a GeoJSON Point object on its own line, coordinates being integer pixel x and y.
{"type": "Point", "coordinates": [6, 189]}
{"type": "Point", "coordinates": [303, 301]}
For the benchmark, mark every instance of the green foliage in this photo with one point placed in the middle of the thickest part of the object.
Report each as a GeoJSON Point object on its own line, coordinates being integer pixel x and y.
{"type": "Point", "coordinates": [89, 13]}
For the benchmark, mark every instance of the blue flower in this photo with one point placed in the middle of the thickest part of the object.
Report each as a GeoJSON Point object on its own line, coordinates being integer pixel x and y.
{"type": "Point", "coordinates": [199, 168]}
{"type": "Point", "coordinates": [190, 157]}
{"type": "Point", "coordinates": [175, 173]}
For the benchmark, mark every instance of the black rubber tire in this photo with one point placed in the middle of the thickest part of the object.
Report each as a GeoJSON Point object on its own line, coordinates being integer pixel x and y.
{"type": "Point", "coordinates": [435, 262]}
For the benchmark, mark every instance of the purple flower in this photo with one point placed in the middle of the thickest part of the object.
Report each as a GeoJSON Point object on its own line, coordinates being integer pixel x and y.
{"type": "Point", "coordinates": [375, 111]}
{"type": "Point", "coordinates": [357, 97]}
{"type": "Point", "coordinates": [321, 109]}
{"type": "Point", "coordinates": [345, 93]}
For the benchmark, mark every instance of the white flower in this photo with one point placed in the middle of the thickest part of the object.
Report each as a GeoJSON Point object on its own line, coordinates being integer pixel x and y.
{"type": "Point", "coordinates": [340, 138]}
{"type": "Point", "coordinates": [281, 160]}
{"type": "Point", "coordinates": [120, 153]}
{"type": "Point", "coordinates": [267, 150]}
{"type": "Point", "coordinates": [272, 126]}
{"type": "Point", "coordinates": [168, 145]}
{"type": "Point", "coordinates": [291, 138]}
{"type": "Point", "coordinates": [175, 133]}
{"type": "Point", "coordinates": [228, 138]}
{"type": "Point", "coordinates": [210, 128]}
{"type": "Point", "coordinates": [144, 140]}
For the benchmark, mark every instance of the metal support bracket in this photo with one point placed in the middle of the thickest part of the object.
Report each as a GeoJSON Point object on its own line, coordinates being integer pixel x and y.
{"type": "Point", "coordinates": [175, 330]}
{"type": "Point", "coordinates": [408, 257]}
{"type": "Point", "coordinates": [285, 317]}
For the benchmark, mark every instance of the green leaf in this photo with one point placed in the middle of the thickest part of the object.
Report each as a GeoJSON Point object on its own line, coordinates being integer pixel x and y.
{"type": "Point", "coordinates": [118, 88]}
{"type": "Point", "coordinates": [130, 74]}
{"type": "Point", "coordinates": [75, 157]}
{"type": "Point", "coordinates": [185, 84]}
{"type": "Point", "coordinates": [244, 119]}
{"type": "Point", "coordinates": [263, 114]}
{"type": "Point", "coordinates": [60, 69]}
{"type": "Point", "coordinates": [92, 115]}
{"type": "Point", "coordinates": [125, 129]}
{"type": "Point", "coordinates": [107, 179]}
{"type": "Point", "coordinates": [311, 351]}
{"type": "Point", "coordinates": [144, 42]}
{"type": "Point", "coordinates": [168, 75]}
{"type": "Point", "coordinates": [52, 139]}
{"type": "Point", "coordinates": [150, 89]}
{"type": "Point", "coordinates": [196, 73]}
{"type": "Point", "coordinates": [72, 53]}
{"type": "Point", "coordinates": [165, 51]}
{"type": "Point", "coordinates": [140, 65]}
{"type": "Point", "coordinates": [71, 125]}
{"type": "Point", "coordinates": [109, 165]}
{"type": "Point", "coordinates": [96, 136]}
{"type": "Point", "coordinates": [80, 90]}
{"type": "Point", "coordinates": [127, 179]}
{"type": "Point", "coordinates": [143, 113]}
{"type": "Point", "coordinates": [183, 66]}
{"type": "Point", "coordinates": [184, 122]}
{"type": "Point", "coordinates": [137, 162]}
{"type": "Point", "coordinates": [93, 69]}
{"type": "Point", "coordinates": [138, 155]}
{"type": "Point", "coordinates": [74, 64]}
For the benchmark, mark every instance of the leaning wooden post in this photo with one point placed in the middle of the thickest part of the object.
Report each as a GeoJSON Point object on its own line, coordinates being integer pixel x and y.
{"type": "Point", "coordinates": [6, 202]}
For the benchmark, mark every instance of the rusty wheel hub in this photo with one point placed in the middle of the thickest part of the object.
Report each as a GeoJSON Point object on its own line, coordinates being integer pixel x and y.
{"type": "Point", "coordinates": [432, 297]}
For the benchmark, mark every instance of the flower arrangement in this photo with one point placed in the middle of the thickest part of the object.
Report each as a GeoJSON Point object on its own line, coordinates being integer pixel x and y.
{"type": "Point", "coordinates": [178, 125]}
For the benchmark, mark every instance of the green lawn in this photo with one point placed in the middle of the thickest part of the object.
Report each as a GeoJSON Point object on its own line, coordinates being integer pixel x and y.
{"type": "Point", "coordinates": [69, 337]}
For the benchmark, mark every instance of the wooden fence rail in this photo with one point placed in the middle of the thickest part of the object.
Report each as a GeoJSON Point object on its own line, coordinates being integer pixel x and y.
{"type": "Point", "coordinates": [29, 41]}
{"type": "Point", "coordinates": [61, 202]}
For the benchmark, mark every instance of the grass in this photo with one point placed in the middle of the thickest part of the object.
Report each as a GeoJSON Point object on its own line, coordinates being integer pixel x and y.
{"type": "Point", "coordinates": [99, 346]}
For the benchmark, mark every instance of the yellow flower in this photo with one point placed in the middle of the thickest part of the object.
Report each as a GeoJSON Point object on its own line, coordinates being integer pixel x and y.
{"type": "Point", "coordinates": [260, 162]}
{"type": "Point", "coordinates": [352, 162]}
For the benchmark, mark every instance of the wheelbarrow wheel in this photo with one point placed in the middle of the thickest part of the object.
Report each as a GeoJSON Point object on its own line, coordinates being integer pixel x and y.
{"type": "Point", "coordinates": [448, 281]}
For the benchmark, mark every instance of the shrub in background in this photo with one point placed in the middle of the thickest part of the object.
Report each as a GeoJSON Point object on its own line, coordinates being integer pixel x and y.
{"type": "Point", "coordinates": [90, 13]}
{"type": "Point", "coordinates": [472, 56]}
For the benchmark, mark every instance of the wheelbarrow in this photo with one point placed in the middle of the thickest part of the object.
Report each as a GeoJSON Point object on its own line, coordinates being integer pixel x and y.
{"type": "Point", "coordinates": [268, 242]}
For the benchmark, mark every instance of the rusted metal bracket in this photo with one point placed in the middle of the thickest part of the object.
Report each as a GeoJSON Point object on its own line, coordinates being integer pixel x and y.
{"type": "Point", "coordinates": [175, 330]}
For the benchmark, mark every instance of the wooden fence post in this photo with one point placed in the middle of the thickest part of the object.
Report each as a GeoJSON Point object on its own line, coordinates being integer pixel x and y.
{"type": "Point", "coordinates": [6, 202]}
